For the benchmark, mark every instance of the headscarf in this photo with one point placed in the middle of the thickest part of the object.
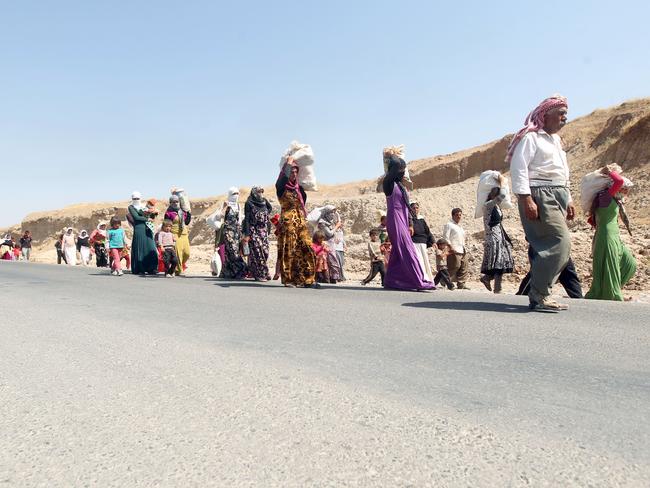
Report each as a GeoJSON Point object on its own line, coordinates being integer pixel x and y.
{"type": "Point", "coordinates": [174, 210]}
{"type": "Point", "coordinates": [256, 197]}
{"type": "Point", "coordinates": [329, 214]}
{"type": "Point", "coordinates": [415, 215]}
{"type": "Point", "coordinates": [83, 234]}
{"type": "Point", "coordinates": [296, 187]}
{"type": "Point", "coordinates": [136, 200]}
{"type": "Point", "coordinates": [233, 199]}
{"type": "Point", "coordinates": [535, 120]}
{"type": "Point", "coordinates": [394, 175]}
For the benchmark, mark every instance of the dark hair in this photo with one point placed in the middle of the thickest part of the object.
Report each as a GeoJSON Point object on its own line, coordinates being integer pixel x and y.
{"type": "Point", "coordinates": [373, 232]}
{"type": "Point", "coordinates": [318, 236]}
{"type": "Point", "coordinates": [490, 197]}
{"type": "Point", "coordinates": [441, 241]}
{"type": "Point", "coordinates": [456, 211]}
{"type": "Point", "coordinates": [115, 220]}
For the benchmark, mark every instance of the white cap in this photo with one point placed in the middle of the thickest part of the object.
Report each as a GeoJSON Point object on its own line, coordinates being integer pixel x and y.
{"type": "Point", "coordinates": [136, 195]}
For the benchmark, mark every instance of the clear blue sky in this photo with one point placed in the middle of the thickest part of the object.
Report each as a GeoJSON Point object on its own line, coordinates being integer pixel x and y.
{"type": "Point", "coordinates": [207, 94]}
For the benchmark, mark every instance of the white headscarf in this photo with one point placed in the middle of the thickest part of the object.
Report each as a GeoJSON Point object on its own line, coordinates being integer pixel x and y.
{"type": "Point", "coordinates": [233, 198]}
{"type": "Point", "coordinates": [136, 200]}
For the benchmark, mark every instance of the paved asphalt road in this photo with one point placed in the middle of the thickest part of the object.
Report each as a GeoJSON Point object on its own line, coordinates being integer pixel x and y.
{"type": "Point", "coordinates": [130, 381]}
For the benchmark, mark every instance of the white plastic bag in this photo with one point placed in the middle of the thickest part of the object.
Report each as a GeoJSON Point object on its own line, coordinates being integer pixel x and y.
{"type": "Point", "coordinates": [215, 264]}
{"type": "Point", "coordinates": [303, 155]}
{"type": "Point", "coordinates": [316, 214]}
{"type": "Point", "coordinates": [590, 185]}
{"type": "Point", "coordinates": [307, 178]}
{"type": "Point", "coordinates": [488, 180]}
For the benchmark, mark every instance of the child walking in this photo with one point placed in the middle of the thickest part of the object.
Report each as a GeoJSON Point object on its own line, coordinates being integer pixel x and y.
{"type": "Point", "coordinates": [116, 242]}
{"type": "Point", "coordinates": [376, 259]}
{"type": "Point", "coordinates": [166, 241]}
{"type": "Point", "coordinates": [443, 249]}
{"type": "Point", "coordinates": [321, 250]}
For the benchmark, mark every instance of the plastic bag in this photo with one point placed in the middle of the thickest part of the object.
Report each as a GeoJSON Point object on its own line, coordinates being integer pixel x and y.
{"type": "Point", "coordinates": [215, 264]}
{"type": "Point", "coordinates": [315, 215]}
{"type": "Point", "coordinates": [488, 180]}
{"type": "Point", "coordinates": [307, 178]}
{"type": "Point", "coordinates": [303, 155]}
{"type": "Point", "coordinates": [590, 185]}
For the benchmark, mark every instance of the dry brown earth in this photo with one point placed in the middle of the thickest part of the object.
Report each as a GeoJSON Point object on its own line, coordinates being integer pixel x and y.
{"type": "Point", "coordinates": [619, 134]}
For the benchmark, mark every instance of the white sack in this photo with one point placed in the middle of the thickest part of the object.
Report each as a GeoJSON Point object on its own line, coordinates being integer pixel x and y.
{"type": "Point", "coordinates": [303, 155]}
{"type": "Point", "coordinates": [307, 178]}
{"type": "Point", "coordinates": [215, 263]}
{"type": "Point", "coordinates": [316, 214]}
{"type": "Point", "coordinates": [590, 185]}
{"type": "Point", "coordinates": [488, 180]}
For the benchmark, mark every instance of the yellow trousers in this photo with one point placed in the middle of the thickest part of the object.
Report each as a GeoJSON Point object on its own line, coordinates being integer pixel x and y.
{"type": "Point", "coordinates": [182, 251]}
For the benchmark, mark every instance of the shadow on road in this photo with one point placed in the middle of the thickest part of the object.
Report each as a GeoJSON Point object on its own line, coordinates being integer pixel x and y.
{"type": "Point", "coordinates": [224, 283]}
{"type": "Point", "coordinates": [476, 306]}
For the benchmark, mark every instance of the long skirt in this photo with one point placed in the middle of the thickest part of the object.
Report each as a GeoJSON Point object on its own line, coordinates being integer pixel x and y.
{"type": "Point", "coordinates": [423, 259]}
{"type": "Point", "coordinates": [70, 255]}
{"type": "Point", "coordinates": [334, 264]}
{"type": "Point", "coordinates": [85, 255]}
{"type": "Point", "coordinates": [497, 252]}
{"type": "Point", "coordinates": [259, 254]}
{"type": "Point", "coordinates": [101, 256]}
{"type": "Point", "coordinates": [182, 248]}
{"type": "Point", "coordinates": [613, 263]}
{"type": "Point", "coordinates": [234, 267]}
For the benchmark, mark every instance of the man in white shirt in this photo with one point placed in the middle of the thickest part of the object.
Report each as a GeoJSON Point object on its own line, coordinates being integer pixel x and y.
{"type": "Point", "coordinates": [457, 260]}
{"type": "Point", "coordinates": [540, 179]}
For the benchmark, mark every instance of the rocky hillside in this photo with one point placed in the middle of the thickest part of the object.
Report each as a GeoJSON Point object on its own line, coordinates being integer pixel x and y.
{"type": "Point", "coordinates": [619, 134]}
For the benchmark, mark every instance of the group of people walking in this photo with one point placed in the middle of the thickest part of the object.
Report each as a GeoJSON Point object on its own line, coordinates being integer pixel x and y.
{"type": "Point", "coordinates": [312, 251]}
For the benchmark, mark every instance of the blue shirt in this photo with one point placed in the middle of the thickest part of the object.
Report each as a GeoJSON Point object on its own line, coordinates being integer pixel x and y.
{"type": "Point", "coordinates": [115, 238]}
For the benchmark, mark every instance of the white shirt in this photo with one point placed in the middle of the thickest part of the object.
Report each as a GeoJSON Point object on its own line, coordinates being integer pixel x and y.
{"type": "Point", "coordinates": [455, 236]}
{"type": "Point", "coordinates": [538, 160]}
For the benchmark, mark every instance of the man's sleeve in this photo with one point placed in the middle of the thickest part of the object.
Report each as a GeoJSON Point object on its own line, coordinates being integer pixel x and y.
{"type": "Point", "coordinates": [521, 158]}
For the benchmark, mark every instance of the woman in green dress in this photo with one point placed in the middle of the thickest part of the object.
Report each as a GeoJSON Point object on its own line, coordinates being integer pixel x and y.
{"type": "Point", "coordinates": [613, 263]}
{"type": "Point", "coordinates": [144, 256]}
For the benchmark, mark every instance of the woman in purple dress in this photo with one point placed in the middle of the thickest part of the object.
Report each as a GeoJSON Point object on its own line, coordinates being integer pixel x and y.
{"type": "Point", "coordinates": [404, 271]}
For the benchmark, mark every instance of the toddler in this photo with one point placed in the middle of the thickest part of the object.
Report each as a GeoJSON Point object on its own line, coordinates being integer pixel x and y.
{"type": "Point", "coordinates": [116, 243]}
{"type": "Point", "coordinates": [166, 242]}
{"type": "Point", "coordinates": [443, 249]}
{"type": "Point", "coordinates": [321, 250]}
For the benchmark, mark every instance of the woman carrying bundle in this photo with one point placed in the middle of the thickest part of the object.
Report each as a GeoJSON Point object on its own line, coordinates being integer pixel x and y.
{"type": "Point", "coordinates": [234, 267]}
{"type": "Point", "coordinates": [329, 225]}
{"type": "Point", "coordinates": [613, 264]}
{"type": "Point", "coordinates": [295, 254]}
{"type": "Point", "coordinates": [404, 271]}
{"type": "Point", "coordinates": [497, 247]}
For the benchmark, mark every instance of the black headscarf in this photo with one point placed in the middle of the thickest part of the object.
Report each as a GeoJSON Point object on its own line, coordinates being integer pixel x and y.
{"type": "Point", "coordinates": [394, 175]}
{"type": "Point", "coordinates": [257, 199]}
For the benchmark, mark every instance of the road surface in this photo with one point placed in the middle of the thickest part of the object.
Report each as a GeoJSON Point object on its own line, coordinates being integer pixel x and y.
{"type": "Point", "coordinates": [131, 381]}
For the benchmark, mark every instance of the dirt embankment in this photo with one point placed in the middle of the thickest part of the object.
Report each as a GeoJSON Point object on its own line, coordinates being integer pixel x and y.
{"type": "Point", "coordinates": [619, 134]}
